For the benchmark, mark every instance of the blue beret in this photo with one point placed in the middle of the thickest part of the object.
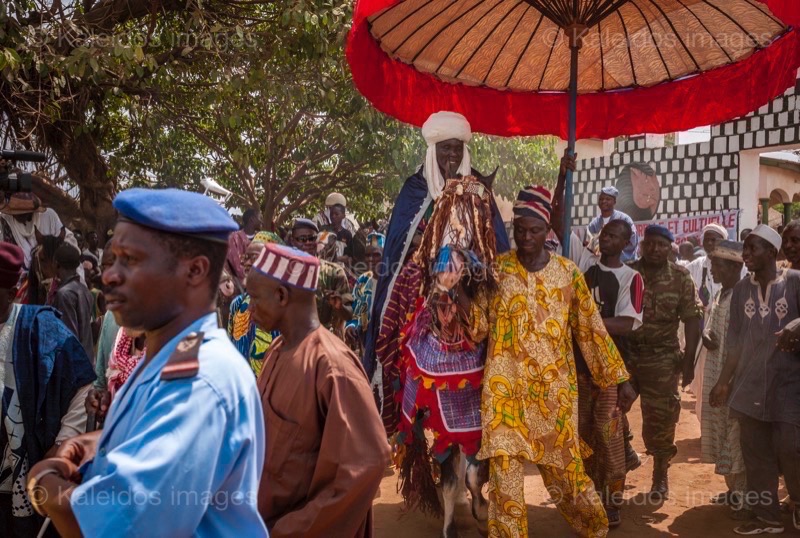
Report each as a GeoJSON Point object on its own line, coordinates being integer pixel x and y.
{"type": "Point", "coordinates": [176, 211]}
{"type": "Point", "coordinates": [656, 229]}
{"type": "Point", "coordinates": [611, 191]}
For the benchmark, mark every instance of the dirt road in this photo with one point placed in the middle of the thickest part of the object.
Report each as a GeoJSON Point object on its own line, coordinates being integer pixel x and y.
{"type": "Point", "coordinates": [686, 513]}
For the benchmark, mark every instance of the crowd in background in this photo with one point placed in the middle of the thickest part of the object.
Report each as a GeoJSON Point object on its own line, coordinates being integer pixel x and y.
{"type": "Point", "coordinates": [502, 348]}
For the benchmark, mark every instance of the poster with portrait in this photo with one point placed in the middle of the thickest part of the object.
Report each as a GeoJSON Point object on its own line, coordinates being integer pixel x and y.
{"type": "Point", "coordinates": [639, 191]}
{"type": "Point", "coordinates": [640, 196]}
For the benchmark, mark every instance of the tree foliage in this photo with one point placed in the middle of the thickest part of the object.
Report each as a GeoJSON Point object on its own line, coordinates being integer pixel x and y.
{"type": "Point", "coordinates": [256, 95]}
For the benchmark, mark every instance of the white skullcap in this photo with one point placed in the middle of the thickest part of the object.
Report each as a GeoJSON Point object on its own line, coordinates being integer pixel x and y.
{"type": "Point", "coordinates": [718, 229]}
{"type": "Point", "coordinates": [768, 234]}
{"type": "Point", "coordinates": [441, 126]}
{"type": "Point", "coordinates": [335, 198]}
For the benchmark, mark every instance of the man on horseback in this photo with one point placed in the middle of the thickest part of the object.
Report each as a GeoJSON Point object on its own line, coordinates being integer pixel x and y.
{"type": "Point", "coordinates": [447, 135]}
{"type": "Point", "coordinates": [432, 361]}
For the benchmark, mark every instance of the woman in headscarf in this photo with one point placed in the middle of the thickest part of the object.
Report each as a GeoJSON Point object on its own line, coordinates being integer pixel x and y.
{"type": "Point", "coordinates": [251, 341]}
{"type": "Point", "coordinates": [129, 348]}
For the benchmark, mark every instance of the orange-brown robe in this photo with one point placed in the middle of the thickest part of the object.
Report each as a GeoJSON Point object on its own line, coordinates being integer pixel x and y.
{"type": "Point", "coordinates": [326, 447]}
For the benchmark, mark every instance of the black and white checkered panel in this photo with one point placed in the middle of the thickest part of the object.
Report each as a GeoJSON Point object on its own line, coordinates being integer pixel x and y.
{"type": "Point", "coordinates": [695, 178]}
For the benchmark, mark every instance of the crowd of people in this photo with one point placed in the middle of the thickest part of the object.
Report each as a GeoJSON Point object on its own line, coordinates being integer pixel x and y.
{"type": "Point", "coordinates": [199, 376]}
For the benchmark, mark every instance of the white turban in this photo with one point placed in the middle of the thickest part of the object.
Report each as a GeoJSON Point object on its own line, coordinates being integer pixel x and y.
{"type": "Point", "coordinates": [718, 229]}
{"type": "Point", "coordinates": [439, 127]}
{"type": "Point", "coordinates": [768, 234]}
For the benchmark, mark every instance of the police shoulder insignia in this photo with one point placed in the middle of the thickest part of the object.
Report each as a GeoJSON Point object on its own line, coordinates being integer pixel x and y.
{"type": "Point", "coordinates": [184, 362]}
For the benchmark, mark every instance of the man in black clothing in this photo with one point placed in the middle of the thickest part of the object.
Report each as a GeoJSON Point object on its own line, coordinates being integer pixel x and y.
{"type": "Point", "coordinates": [72, 298]}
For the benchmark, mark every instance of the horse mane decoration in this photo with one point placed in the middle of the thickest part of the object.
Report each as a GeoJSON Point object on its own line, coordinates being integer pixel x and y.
{"type": "Point", "coordinates": [462, 221]}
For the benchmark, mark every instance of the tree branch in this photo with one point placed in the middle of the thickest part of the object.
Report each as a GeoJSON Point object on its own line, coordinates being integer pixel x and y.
{"type": "Point", "coordinates": [110, 13]}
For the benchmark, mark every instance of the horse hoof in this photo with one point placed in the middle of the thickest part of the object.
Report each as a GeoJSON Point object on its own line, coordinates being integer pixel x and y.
{"type": "Point", "coordinates": [480, 511]}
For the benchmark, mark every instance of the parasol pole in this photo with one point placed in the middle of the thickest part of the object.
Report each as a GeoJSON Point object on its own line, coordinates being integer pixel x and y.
{"type": "Point", "coordinates": [575, 35]}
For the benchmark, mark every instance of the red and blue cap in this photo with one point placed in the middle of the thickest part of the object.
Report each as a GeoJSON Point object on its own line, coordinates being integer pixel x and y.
{"type": "Point", "coordinates": [534, 201]}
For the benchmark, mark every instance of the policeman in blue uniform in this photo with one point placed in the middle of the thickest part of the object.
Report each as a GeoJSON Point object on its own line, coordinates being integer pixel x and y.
{"type": "Point", "coordinates": [183, 445]}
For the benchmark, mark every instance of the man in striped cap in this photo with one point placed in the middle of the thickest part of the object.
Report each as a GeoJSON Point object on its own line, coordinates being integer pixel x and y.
{"type": "Point", "coordinates": [541, 307]}
{"type": "Point", "coordinates": [326, 450]}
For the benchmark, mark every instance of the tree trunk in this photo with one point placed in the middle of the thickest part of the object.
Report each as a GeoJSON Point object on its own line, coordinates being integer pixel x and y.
{"type": "Point", "coordinates": [86, 167]}
{"type": "Point", "coordinates": [55, 198]}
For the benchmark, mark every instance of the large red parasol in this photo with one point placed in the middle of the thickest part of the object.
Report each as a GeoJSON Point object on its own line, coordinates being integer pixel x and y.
{"type": "Point", "coordinates": [406, 84]}
{"type": "Point", "coordinates": [574, 68]}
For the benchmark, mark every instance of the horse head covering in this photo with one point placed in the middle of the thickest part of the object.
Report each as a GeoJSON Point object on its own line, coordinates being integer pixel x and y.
{"type": "Point", "coordinates": [439, 127]}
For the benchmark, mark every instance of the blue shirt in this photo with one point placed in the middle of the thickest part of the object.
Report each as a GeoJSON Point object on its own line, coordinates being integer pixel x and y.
{"type": "Point", "coordinates": [629, 252]}
{"type": "Point", "coordinates": [181, 457]}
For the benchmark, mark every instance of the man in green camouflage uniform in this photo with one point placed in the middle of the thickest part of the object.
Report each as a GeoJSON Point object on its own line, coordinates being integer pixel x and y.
{"type": "Point", "coordinates": [657, 361]}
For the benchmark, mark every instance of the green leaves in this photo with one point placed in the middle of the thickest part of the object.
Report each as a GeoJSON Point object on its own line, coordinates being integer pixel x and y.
{"type": "Point", "coordinates": [257, 96]}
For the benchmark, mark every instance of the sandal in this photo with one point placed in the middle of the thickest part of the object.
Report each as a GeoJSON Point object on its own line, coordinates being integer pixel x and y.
{"type": "Point", "coordinates": [759, 527]}
{"type": "Point", "coordinates": [614, 517]}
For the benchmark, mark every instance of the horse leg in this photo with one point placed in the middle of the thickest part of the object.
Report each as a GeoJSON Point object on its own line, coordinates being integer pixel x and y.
{"type": "Point", "coordinates": [477, 476]}
{"type": "Point", "coordinates": [453, 475]}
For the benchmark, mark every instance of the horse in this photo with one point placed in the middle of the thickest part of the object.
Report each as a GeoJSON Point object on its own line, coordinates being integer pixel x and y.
{"type": "Point", "coordinates": [457, 470]}
{"type": "Point", "coordinates": [441, 361]}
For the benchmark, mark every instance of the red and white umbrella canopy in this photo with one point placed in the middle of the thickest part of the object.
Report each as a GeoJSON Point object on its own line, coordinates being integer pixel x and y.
{"type": "Point", "coordinates": [644, 65]}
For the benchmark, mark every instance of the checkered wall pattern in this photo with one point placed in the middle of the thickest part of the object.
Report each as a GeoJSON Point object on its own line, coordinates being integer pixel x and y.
{"type": "Point", "coordinates": [695, 178]}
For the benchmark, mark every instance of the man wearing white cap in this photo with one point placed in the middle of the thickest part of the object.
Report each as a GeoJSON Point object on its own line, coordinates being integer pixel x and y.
{"type": "Point", "coordinates": [607, 202]}
{"type": "Point", "coordinates": [707, 289]}
{"type": "Point", "coordinates": [700, 268]}
{"type": "Point", "coordinates": [447, 135]}
{"type": "Point", "coordinates": [323, 218]}
{"type": "Point", "coordinates": [761, 379]}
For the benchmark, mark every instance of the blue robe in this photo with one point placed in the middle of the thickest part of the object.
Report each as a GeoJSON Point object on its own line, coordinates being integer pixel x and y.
{"type": "Point", "coordinates": [50, 366]}
{"type": "Point", "coordinates": [411, 205]}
